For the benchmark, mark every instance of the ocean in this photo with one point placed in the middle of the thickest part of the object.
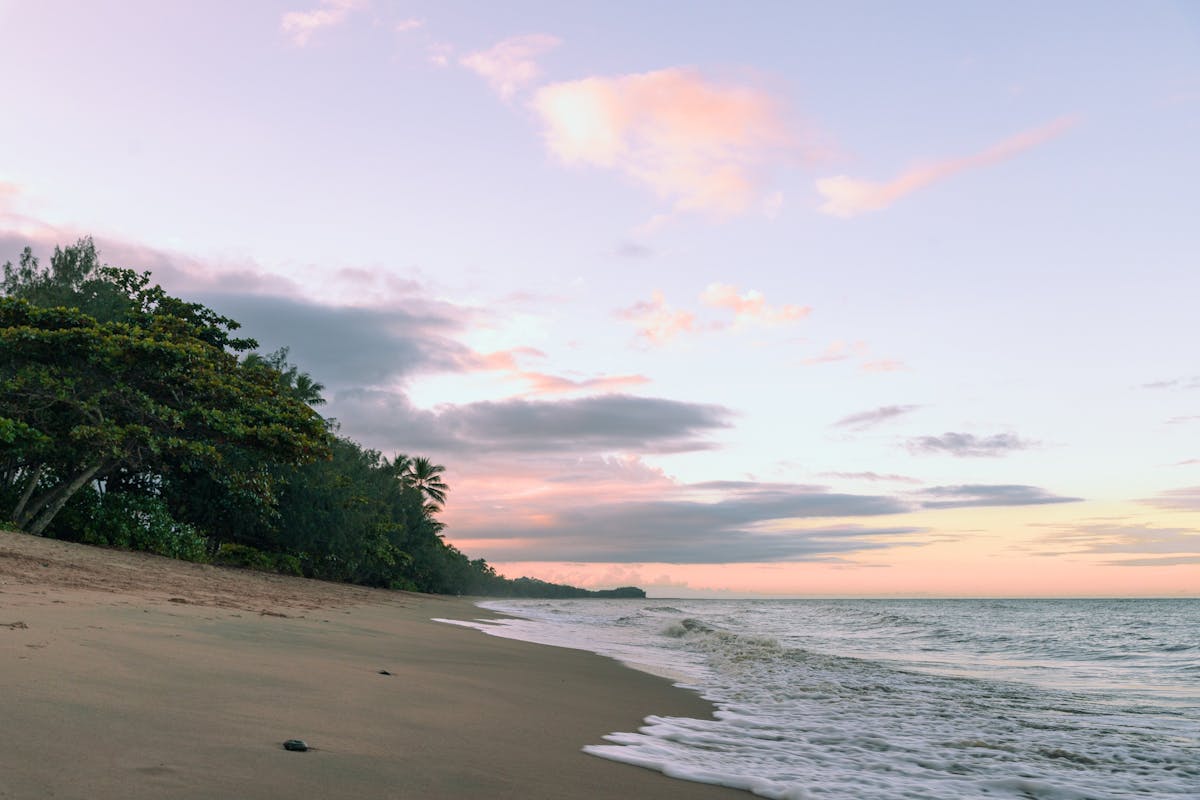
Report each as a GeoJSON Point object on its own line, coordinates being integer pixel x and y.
{"type": "Point", "coordinates": [888, 699]}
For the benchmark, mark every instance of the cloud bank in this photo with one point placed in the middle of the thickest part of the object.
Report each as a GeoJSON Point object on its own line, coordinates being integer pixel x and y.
{"type": "Point", "coordinates": [682, 531]}
{"type": "Point", "coordinates": [1144, 545]}
{"type": "Point", "coordinates": [604, 423]}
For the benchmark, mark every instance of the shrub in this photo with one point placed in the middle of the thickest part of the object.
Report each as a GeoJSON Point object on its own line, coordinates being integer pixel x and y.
{"type": "Point", "coordinates": [142, 522]}
{"type": "Point", "coordinates": [232, 554]}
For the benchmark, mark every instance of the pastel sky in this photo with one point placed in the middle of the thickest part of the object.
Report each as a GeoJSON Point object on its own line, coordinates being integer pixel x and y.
{"type": "Point", "coordinates": [778, 298]}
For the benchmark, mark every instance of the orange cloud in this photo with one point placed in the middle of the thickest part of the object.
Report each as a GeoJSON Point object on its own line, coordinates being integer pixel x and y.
{"type": "Point", "coordinates": [657, 322]}
{"type": "Point", "coordinates": [849, 197]}
{"type": "Point", "coordinates": [542, 383]}
{"type": "Point", "coordinates": [751, 306]}
{"type": "Point", "coordinates": [301, 25]}
{"type": "Point", "coordinates": [691, 141]}
{"type": "Point", "coordinates": [510, 65]}
{"type": "Point", "coordinates": [504, 360]}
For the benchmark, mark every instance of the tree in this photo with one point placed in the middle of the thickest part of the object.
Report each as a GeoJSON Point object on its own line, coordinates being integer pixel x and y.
{"type": "Point", "coordinates": [74, 279]}
{"type": "Point", "coordinates": [298, 384]}
{"type": "Point", "coordinates": [147, 396]}
{"type": "Point", "coordinates": [426, 477]}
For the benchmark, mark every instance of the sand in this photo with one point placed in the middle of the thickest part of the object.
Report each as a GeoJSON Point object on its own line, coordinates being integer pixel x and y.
{"type": "Point", "coordinates": [124, 675]}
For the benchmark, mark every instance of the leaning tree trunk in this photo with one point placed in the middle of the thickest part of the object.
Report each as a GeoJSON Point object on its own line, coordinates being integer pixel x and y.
{"type": "Point", "coordinates": [35, 521]}
{"type": "Point", "coordinates": [35, 475]}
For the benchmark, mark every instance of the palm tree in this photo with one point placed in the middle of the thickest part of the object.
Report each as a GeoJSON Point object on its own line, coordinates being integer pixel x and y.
{"type": "Point", "coordinates": [305, 389]}
{"type": "Point", "coordinates": [299, 385]}
{"type": "Point", "coordinates": [426, 477]}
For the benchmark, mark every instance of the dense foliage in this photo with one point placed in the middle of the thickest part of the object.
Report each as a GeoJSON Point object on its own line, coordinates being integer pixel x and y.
{"type": "Point", "coordinates": [131, 418]}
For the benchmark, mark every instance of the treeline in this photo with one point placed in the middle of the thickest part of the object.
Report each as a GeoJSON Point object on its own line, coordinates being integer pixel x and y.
{"type": "Point", "coordinates": [130, 418]}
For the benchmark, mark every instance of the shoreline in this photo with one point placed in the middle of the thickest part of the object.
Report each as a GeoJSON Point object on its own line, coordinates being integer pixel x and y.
{"type": "Point", "coordinates": [129, 675]}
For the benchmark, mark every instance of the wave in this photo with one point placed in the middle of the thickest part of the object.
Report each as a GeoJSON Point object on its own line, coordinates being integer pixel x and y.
{"type": "Point", "coordinates": [687, 627]}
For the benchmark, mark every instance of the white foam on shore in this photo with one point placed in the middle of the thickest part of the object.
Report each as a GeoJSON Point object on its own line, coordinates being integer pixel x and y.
{"type": "Point", "coordinates": [917, 721]}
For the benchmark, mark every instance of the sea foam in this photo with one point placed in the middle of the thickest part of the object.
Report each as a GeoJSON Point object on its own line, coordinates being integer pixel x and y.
{"type": "Point", "coordinates": [917, 700]}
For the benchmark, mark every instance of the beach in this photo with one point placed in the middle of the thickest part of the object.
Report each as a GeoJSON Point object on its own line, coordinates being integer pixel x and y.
{"type": "Point", "coordinates": [127, 675]}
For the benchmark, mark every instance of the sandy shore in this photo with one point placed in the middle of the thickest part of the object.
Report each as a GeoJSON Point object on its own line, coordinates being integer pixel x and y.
{"type": "Point", "coordinates": [129, 676]}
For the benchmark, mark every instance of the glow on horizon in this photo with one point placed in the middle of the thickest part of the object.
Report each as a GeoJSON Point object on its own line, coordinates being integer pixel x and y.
{"type": "Point", "coordinates": [809, 301]}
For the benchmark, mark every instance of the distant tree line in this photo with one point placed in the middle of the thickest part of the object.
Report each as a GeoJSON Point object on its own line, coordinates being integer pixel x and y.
{"type": "Point", "coordinates": [130, 418]}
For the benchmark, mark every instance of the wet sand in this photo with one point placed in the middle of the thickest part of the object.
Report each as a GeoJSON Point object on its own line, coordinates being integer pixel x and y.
{"type": "Point", "coordinates": [124, 675]}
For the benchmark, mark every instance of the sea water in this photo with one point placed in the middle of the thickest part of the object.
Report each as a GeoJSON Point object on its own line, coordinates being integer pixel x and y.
{"type": "Point", "coordinates": [888, 699]}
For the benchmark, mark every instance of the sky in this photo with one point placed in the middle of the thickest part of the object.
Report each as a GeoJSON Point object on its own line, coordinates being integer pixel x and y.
{"type": "Point", "coordinates": [716, 299]}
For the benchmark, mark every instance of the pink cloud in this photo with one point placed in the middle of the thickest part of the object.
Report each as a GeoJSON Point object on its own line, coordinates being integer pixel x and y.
{"type": "Point", "coordinates": [657, 323]}
{"type": "Point", "coordinates": [751, 306]}
{"type": "Point", "coordinates": [849, 197]}
{"type": "Point", "coordinates": [542, 384]}
{"type": "Point", "coordinates": [511, 65]}
{"type": "Point", "coordinates": [699, 144]}
{"type": "Point", "coordinates": [301, 25]}
{"type": "Point", "coordinates": [532, 493]}
{"type": "Point", "coordinates": [411, 24]}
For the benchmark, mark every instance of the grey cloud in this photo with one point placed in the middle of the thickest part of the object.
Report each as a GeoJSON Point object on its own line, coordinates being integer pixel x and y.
{"type": "Point", "coordinates": [634, 250]}
{"type": "Point", "coordinates": [587, 424]}
{"type": "Point", "coordinates": [984, 496]}
{"type": "Point", "coordinates": [638, 546]}
{"type": "Point", "coordinates": [869, 419]}
{"type": "Point", "coordinates": [1165, 545]}
{"type": "Point", "coordinates": [1191, 382]}
{"type": "Point", "coordinates": [1184, 499]}
{"type": "Point", "coordinates": [687, 532]}
{"type": "Point", "coordinates": [968, 445]}
{"type": "Point", "coordinates": [346, 346]}
{"type": "Point", "coordinates": [1166, 561]}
